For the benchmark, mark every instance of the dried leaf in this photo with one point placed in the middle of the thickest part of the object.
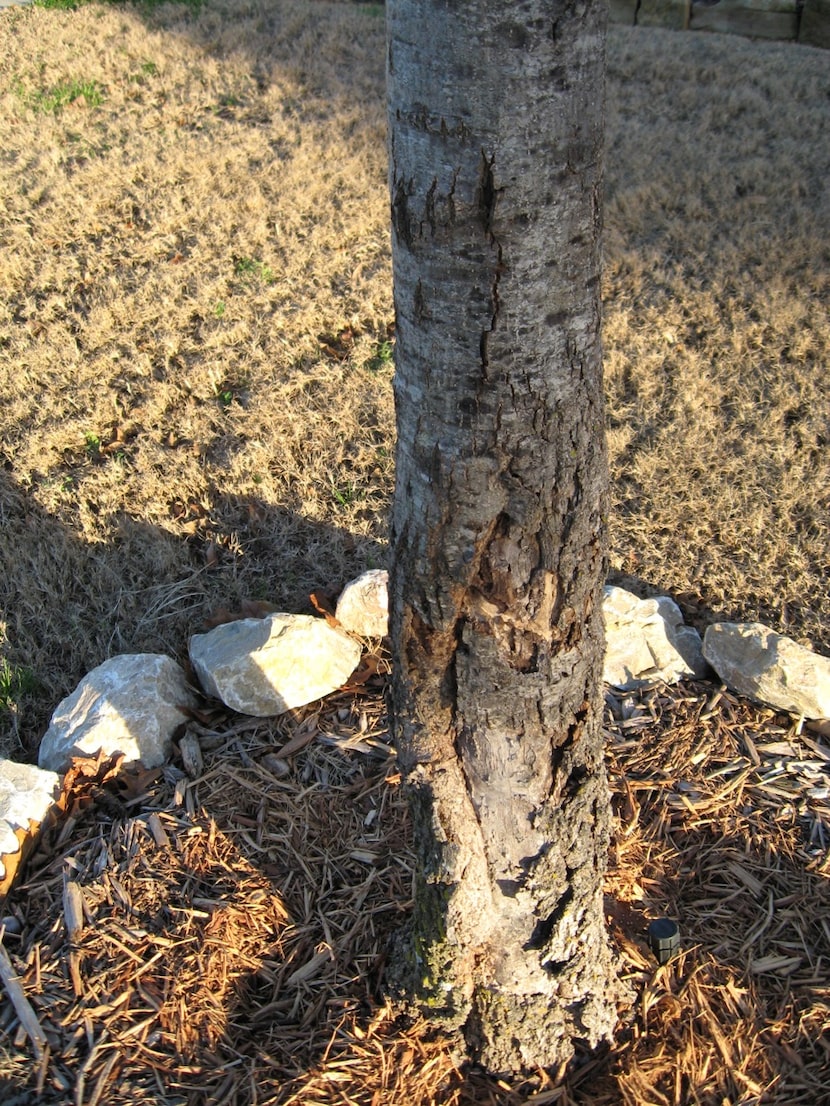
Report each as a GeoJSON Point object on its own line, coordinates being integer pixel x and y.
{"type": "Point", "coordinates": [323, 605]}
{"type": "Point", "coordinates": [256, 608]}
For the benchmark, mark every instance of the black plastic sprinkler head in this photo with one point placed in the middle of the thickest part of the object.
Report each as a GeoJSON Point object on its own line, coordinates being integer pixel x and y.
{"type": "Point", "coordinates": [664, 939]}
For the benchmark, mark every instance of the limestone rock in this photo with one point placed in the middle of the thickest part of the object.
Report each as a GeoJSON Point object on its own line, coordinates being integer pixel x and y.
{"type": "Point", "coordinates": [130, 704]}
{"type": "Point", "coordinates": [363, 607]}
{"type": "Point", "coordinates": [266, 666]}
{"type": "Point", "coordinates": [27, 795]}
{"type": "Point", "coordinates": [647, 641]}
{"type": "Point", "coordinates": [759, 663]}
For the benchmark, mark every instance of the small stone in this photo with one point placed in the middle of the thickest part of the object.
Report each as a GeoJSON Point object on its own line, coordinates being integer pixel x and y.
{"type": "Point", "coordinates": [266, 666]}
{"type": "Point", "coordinates": [130, 704]}
{"type": "Point", "coordinates": [27, 795]}
{"type": "Point", "coordinates": [759, 663]}
{"type": "Point", "coordinates": [363, 607]}
{"type": "Point", "coordinates": [275, 765]}
{"type": "Point", "coordinates": [647, 642]}
{"type": "Point", "coordinates": [191, 753]}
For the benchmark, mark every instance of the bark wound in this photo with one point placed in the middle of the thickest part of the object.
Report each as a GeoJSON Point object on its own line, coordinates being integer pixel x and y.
{"type": "Point", "coordinates": [568, 777]}
{"type": "Point", "coordinates": [421, 310]}
{"type": "Point", "coordinates": [545, 927]}
{"type": "Point", "coordinates": [400, 212]}
{"type": "Point", "coordinates": [512, 596]}
{"type": "Point", "coordinates": [429, 206]}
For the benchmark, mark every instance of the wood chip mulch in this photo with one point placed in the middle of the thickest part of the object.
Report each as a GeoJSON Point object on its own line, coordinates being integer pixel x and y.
{"type": "Point", "coordinates": [216, 932]}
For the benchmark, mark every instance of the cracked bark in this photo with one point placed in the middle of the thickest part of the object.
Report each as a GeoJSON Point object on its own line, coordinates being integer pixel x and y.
{"type": "Point", "coordinates": [495, 122]}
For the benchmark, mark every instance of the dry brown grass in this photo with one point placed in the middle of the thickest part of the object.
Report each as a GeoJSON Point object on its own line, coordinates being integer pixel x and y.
{"type": "Point", "coordinates": [196, 295]}
{"type": "Point", "coordinates": [717, 293]}
{"type": "Point", "coordinates": [195, 291]}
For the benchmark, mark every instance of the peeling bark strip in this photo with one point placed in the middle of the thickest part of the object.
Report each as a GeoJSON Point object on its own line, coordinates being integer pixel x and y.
{"type": "Point", "coordinates": [495, 123]}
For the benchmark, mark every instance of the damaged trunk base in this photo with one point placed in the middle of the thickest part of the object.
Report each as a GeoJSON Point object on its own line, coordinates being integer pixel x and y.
{"type": "Point", "coordinates": [522, 973]}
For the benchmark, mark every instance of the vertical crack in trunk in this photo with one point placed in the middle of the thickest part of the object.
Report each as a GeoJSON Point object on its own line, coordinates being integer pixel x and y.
{"type": "Point", "coordinates": [486, 198]}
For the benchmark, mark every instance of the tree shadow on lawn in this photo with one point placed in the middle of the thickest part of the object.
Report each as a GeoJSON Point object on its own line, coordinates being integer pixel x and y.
{"type": "Point", "coordinates": [67, 605]}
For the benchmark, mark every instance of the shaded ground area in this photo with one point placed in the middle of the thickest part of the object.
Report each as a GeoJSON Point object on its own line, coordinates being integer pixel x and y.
{"type": "Point", "coordinates": [196, 330]}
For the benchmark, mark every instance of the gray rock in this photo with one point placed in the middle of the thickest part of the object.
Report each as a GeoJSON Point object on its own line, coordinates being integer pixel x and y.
{"type": "Point", "coordinates": [759, 663]}
{"type": "Point", "coordinates": [363, 607]}
{"type": "Point", "coordinates": [27, 794]}
{"type": "Point", "coordinates": [130, 704]}
{"type": "Point", "coordinates": [647, 642]}
{"type": "Point", "coordinates": [266, 666]}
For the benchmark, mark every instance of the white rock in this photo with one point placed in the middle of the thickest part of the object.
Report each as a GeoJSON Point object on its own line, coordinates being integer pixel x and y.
{"type": "Point", "coordinates": [757, 662]}
{"type": "Point", "coordinates": [266, 666]}
{"type": "Point", "coordinates": [27, 794]}
{"type": "Point", "coordinates": [363, 606]}
{"type": "Point", "coordinates": [647, 641]}
{"type": "Point", "coordinates": [130, 704]}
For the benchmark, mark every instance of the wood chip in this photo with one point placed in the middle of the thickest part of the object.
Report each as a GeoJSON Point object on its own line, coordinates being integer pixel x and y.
{"type": "Point", "coordinates": [232, 928]}
{"type": "Point", "coordinates": [22, 1007]}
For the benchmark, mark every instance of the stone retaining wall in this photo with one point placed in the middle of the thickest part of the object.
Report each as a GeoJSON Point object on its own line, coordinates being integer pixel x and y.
{"type": "Point", "coordinates": [804, 21]}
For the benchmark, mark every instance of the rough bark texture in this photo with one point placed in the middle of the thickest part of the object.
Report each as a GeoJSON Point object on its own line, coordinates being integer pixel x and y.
{"type": "Point", "coordinates": [496, 125]}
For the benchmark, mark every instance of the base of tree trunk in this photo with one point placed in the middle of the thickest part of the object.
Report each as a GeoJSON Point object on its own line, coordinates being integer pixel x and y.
{"type": "Point", "coordinates": [485, 992]}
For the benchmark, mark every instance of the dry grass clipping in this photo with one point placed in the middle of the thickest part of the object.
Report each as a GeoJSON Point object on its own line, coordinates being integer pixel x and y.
{"type": "Point", "coordinates": [196, 317]}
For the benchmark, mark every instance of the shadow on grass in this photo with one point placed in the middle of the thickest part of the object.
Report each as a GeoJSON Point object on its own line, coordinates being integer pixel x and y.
{"type": "Point", "coordinates": [136, 591]}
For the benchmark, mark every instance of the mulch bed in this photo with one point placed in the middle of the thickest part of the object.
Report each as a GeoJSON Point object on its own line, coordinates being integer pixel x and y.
{"type": "Point", "coordinates": [218, 933]}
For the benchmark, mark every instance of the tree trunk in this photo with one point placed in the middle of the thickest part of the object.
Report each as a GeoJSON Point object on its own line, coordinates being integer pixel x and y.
{"type": "Point", "coordinates": [496, 128]}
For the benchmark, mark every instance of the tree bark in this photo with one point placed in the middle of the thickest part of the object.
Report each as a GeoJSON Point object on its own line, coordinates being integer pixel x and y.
{"type": "Point", "coordinates": [498, 554]}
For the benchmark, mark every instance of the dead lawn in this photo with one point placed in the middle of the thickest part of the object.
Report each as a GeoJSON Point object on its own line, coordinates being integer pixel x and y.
{"type": "Point", "coordinates": [196, 311]}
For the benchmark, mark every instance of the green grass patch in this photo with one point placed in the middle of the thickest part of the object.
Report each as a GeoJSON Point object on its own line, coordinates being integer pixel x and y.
{"type": "Point", "coordinates": [346, 494]}
{"type": "Point", "coordinates": [254, 269]}
{"type": "Point", "coordinates": [382, 358]}
{"type": "Point", "coordinates": [50, 101]}
{"type": "Point", "coordinates": [15, 681]}
{"type": "Point", "coordinates": [147, 69]}
{"type": "Point", "coordinates": [60, 5]}
{"type": "Point", "coordinates": [73, 5]}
